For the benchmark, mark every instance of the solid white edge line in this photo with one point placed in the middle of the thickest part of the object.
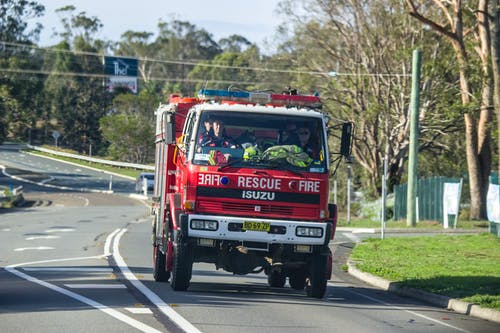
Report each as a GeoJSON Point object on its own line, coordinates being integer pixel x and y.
{"type": "Point", "coordinates": [408, 311]}
{"type": "Point", "coordinates": [180, 321]}
{"type": "Point", "coordinates": [101, 307]}
{"type": "Point", "coordinates": [107, 244]}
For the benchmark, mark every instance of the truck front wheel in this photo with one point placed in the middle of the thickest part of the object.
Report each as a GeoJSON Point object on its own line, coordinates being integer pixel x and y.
{"type": "Point", "coordinates": [183, 265]}
{"type": "Point", "coordinates": [297, 279]}
{"type": "Point", "coordinates": [276, 278]}
{"type": "Point", "coordinates": [159, 272]}
{"type": "Point", "coordinates": [316, 284]}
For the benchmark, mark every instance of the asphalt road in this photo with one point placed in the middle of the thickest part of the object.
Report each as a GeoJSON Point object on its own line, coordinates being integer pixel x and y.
{"type": "Point", "coordinates": [76, 261]}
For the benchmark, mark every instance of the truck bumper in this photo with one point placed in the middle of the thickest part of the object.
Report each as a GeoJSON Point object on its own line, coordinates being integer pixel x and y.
{"type": "Point", "coordinates": [281, 231]}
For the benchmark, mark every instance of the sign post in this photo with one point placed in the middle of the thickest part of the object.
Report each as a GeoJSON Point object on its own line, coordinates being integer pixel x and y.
{"type": "Point", "coordinates": [56, 135]}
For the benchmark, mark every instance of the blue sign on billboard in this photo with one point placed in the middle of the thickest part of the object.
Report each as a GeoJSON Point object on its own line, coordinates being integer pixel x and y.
{"type": "Point", "coordinates": [118, 66]}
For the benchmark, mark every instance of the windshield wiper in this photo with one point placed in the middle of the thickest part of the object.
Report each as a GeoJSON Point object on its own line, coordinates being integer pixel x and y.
{"type": "Point", "coordinates": [237, 160]}
{"type": "Point", "coordinates": [285, 165]}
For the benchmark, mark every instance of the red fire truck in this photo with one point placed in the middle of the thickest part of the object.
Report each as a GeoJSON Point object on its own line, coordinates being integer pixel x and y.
{"type": "Point", "coordinates": [242, 181]}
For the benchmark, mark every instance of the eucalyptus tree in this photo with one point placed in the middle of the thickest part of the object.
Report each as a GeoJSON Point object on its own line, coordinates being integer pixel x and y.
{"type": "Point", "coordinates": [130, 127]}
{"type": "Point", "coordinates": [467, 27]}
{"type": "Point", "coordinates": [182, 45]}
{"type": "Point", "coordinates": [358, 55]}
{"type": "Point", "coordinates": [19, 90]}
{"type": "Point", "coordinates": [139, 44]}
{"type": "Point", "coordinates": [234, 43]}
{"type": "Point", "coordinates": [77, 99]}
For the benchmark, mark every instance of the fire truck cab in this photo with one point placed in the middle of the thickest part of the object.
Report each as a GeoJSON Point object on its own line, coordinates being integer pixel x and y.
{"type": "Point", "coordinates": [242, 182]}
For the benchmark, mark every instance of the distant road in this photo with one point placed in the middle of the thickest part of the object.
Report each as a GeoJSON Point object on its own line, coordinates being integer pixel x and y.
{"type": "Point", "coordinates": [61, 175]}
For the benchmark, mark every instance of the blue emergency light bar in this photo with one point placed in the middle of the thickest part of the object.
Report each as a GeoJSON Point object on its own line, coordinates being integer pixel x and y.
{"type": "Point", "coordinates": [260, 98]}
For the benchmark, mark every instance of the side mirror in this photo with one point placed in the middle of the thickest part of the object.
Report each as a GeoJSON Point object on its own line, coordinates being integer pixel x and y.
{"type": "Point", "coordinates": [169, 127]}
{"type": "Point", "coordinates": [346, 140]}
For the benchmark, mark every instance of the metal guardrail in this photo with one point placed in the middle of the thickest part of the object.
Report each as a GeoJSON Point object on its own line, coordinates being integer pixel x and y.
{"type": "Point", "coordinates": [94, 160]}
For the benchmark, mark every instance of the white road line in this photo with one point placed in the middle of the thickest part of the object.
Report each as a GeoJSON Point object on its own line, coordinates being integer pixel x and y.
{"type": "Point", "coordinates": [59, 230]}
{"type": "Point", "coordinates": [101, 307]}
{"type": "Point", "coordinates": [41, 237]}
{"type": "Point", "coordinates": [139, 310]}
{"type": "Point", "coordinates": [408, 311]}
{"type": "Point", "coordinates": [95, 286]}
{"type": "Point", "coordinates": [39, 248]}
{"type": "Point", "coordinates": [155, 299]}
{"type": "Point", "coordinates": [68, 269]}
{"type": "Point", "coordinates": [352, 237]}
{"type": "Point", "coordinates": [107, 244]}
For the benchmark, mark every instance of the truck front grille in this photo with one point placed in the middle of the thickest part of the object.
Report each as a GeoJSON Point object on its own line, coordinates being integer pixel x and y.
{"type": "Point", "coordinates": [233, 208]}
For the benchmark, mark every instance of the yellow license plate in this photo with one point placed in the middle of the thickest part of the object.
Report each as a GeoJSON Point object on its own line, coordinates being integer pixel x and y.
{"type": "Point", "coordinates": [256, 226]}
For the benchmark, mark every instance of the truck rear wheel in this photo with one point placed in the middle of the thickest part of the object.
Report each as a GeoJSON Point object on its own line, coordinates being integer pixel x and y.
{"type": "Point", "coordinates": [316, 284]}
{"type": "Point", "coordinates": [159, 272]}
{"type": "Point", "coordinates": [276, 278]}
{"type": "Point", "coordinates": [297, 279]}
{"type": "Point", "coordinates": [183, 265]}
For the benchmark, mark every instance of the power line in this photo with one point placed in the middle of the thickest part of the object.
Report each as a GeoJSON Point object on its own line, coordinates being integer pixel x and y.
{"type": "Point", "coordinates": [200, 63]}
{"type": "Point", "coordinates": [103, 76]}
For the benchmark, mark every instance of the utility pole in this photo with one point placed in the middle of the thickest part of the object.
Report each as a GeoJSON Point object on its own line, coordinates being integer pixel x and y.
{"type": "Point", "coordinates": [413, 155]}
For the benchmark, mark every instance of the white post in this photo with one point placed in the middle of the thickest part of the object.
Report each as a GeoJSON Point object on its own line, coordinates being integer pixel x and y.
{"type": "Point", "coordinates": [145, 186]}
{"type": "Point", "coordinates": [348, 194]}
{"type": "Point", "coordinates": [110, 182]}
{"type": "Point", "coordinates": [335, 190]}
{"type": "Point", "coordinates": [384, 195]}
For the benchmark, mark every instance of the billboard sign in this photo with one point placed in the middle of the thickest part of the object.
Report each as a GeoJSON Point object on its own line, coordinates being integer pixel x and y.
{"type": "Point", "coordinates": [121, 72]}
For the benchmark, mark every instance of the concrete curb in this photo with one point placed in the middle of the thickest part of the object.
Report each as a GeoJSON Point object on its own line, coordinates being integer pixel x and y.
{"type": "Point", "coordinates": [439, 300]}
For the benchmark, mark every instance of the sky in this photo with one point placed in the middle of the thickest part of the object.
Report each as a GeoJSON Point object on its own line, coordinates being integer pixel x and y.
{"type": "Point", "coordinates": [256, 20]}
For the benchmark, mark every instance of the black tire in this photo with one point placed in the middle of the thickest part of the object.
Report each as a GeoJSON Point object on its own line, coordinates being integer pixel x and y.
{"type": "Point", "coordinates": [159, 260]}
{"type": "Point", "coordinates": [297, 279]}
{"type": "Point", "coordinates": [276, 278]}
{"type": "Point", "coordinates": [316, 284]}
{"type": "Point", "coordinates": [183, 266]}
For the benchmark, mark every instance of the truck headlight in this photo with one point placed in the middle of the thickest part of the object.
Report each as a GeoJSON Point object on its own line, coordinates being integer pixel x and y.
{"type": "Point", "coordinates": [309, 232]}
{"type": "Point", "coordinates": [204, 225]}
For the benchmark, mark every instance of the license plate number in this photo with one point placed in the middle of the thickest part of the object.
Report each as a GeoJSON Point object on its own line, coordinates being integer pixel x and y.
{"type": "Point", "coordinates": [256, 226]}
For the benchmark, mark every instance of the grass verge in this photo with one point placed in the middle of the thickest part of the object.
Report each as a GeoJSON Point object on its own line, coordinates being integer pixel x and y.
{"type": "Point", "coordinates": [121, 171]}
{"type": "Point", "coordinates": [464, 267]}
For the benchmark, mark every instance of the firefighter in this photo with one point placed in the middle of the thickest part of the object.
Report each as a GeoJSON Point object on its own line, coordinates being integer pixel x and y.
{"type": "Point", "coordinates": [289, 135]}
{"type": "Point", "coordinates": [307, 142]}
{"type": "Point", "coordinates": [207, 133]}
{"type": "Point", "coordinates": [219, 137]}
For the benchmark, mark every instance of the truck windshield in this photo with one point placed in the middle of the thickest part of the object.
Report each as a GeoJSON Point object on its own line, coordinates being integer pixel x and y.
{"type": "Point", "coordinates": [257, 140]}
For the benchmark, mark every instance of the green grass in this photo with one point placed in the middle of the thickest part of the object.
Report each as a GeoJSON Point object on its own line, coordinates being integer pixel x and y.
{"type": "Point", "coordinates": [121, 171]}
{"type": "Point", "coordinates": [466, 267]}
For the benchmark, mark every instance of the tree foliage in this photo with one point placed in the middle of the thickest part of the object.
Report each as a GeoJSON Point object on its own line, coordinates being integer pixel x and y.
{"type": "Point", "coordinates": [355, 54]}
{"type": "Point", "coordinates": [368, 44]}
